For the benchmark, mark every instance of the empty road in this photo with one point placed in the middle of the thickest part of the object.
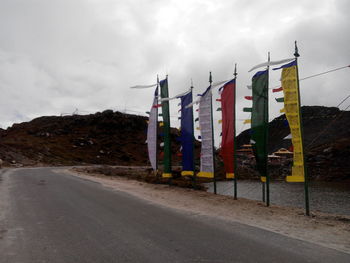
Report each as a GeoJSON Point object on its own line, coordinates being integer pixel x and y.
{"type": "Point", "coordinates": [49, 216]}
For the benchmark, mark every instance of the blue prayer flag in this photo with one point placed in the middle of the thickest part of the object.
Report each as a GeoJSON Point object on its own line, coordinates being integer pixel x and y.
{"type": "Point", "coordinates": [187, 133]}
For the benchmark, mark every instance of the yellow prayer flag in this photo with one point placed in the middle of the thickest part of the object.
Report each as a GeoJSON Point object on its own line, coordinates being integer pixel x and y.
{"type": "Point", "coordinates": [291, 109]}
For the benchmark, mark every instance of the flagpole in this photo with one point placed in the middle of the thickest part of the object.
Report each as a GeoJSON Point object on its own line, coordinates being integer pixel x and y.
{"type": "Point", "coordinates": [156, 171]}
{"type": "Point", "coordinates": [164, 92]}
{"type": "Point", "coordinates": [212, 131]}
{"type": "Point", "coordinates": [234, 137]}
{"type": "Point", "coordinates": [263, 192]}
{"type": "Point", "coordinates": [306, 178]}
{"type": "Point", "coordinates": [263, 184]}
{"type": "Point", "coordinates": [170, 153]}
{"type": "Point", "coordinates": [266, 139]}
{"type": "Point", "coordinates": [193, 141]}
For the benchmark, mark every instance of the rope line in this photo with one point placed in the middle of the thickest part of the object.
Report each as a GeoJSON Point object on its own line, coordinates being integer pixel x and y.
{"type": "Point", "coordinates": [318, 74]}
{"type": "Point", "coordinates": [343, 101]}
{"type": "Point", "coordinates": [323, 73]}
{"type": "Point", "coordinates": [331, 123]}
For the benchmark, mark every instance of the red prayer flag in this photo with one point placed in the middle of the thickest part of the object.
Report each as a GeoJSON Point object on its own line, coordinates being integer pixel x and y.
{"type": "Point", "coordinates": [228, 111]}
{"type": "Point", "coordinates": [248, 97]}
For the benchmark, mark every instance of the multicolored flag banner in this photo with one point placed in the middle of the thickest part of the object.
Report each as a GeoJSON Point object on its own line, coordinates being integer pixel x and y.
{"type": "Point", "coordinates": [187, 135]}
{"type": "Point", "coordinates": [206, 128]}
{"type": "Point", "coordinates": [260, 119]}
{"type": "Point", "coordinates": [228, 133]}
{"type": "Point", "coordinates": [292, 111]}
{"type": "Point", "coordinates": [166, 128]}
{"type": "Point", "coordinates": [152, 132]}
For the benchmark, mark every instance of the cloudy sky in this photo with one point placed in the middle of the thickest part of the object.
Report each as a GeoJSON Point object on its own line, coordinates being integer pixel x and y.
{"type": "Point", "coordinates": [60, 55]}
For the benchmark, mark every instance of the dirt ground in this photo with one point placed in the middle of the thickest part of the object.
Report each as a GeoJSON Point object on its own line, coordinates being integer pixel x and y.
{"type": "Point", "coordinates": [329, 230]}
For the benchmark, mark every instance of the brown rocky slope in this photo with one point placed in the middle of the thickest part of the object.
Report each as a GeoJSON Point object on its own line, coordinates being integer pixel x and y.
{"type": "Point", "coordinates": [103, 138]}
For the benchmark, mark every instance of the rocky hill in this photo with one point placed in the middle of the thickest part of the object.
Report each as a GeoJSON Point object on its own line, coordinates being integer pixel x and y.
{"type": "Point", "coordinates": [326, 136]}
{"type": "Point", "coordinates": [103, 138]}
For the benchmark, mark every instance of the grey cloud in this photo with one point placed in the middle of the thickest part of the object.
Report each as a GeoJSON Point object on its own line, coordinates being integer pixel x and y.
{"type": "Point", "coordinates": [59, 55]}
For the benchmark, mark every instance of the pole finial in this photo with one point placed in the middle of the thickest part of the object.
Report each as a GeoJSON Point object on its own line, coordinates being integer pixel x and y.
{"type": "Point", "coordinates": [296, 52]}
{"type": "Point", "coordinates": [268, 56]}
{"type": "Point", "coordinates": [235, 72]}
{"type": "Point", "coordinates": [191, 83]}
{"type": "Point", "coordinates": [210, 78]}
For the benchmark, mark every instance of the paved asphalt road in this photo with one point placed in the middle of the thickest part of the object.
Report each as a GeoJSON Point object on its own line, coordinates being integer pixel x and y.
{"type": "Point", "coordinates": [52, 217]}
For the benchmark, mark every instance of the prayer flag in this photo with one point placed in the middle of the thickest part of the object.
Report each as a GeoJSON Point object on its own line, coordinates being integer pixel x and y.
{"type": "Point", "coordinates": [152, 133]}
{"type": "Point", "coordinates": [292, 111]}
{"type": "Point", "coordinates": [260, 120]}
{"type": "Point", "coordinates": [228, 133]}
{"type": "Point", "coordinates": [166, 120]}
{"type": "Point", "coordinates": [187, 135]}
{"type": "Point", "coordinates": [206, 125]}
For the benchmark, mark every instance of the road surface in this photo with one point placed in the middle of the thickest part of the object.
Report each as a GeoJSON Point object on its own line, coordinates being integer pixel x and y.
{"type": "Point", "coordinates": [49, 216]}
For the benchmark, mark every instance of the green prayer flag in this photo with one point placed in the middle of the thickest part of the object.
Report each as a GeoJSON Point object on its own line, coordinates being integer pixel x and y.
{"type": "Point", "coordinates": [280, 99]}
{"type": "Point", "coordinates": [260, 120]}
{"type": "Point", "coordinates": [166, 128]}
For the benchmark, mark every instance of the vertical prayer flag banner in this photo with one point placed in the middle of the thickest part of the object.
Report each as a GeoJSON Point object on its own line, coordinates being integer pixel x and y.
{"type": "Point", "coordinates": [260, 119]}
{"type": "Point", "coordinates": [187, 135]}
{"type": "Point", "coordinates": [292, 111]}
{"type": "Point", "coordinates": [206, 128]}
{"type": "Point", "coordinates": [228, 133]}
{"type": "Point", "coordinates": [166, 128]}
{"type": "Point", "coordinates": [152, 132]}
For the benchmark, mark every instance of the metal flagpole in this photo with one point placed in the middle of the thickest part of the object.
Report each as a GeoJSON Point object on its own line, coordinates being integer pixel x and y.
{"type": "Point", "coordinates": [306, 178]}
{"type": "Point", "coordinates": [263, 192]}
{"type": "Point", "coordinates": [263, 184]}
{"type": "Point", "coordinates": [212, 130]}
{"type": "Point", "coordinates": [170, 181]}
{"type": "Point", "coordinates": [266, 139]}
{"type": "Point", "coordinates": [234, 137]}
{"type": "Point", "coordinates": [156, 172]}
{"type": "Point", "coordinates": [193, 141]}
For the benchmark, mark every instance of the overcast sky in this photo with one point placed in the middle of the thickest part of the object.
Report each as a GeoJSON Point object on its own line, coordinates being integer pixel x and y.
{"type": "Point", "coordinates": [59, 55]}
